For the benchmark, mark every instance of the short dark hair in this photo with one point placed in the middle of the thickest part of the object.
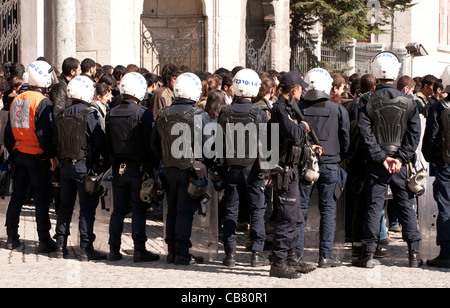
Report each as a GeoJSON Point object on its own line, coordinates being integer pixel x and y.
{"type": "Point", "coordinates": [169, 71]}
{"type": "Point", "coordinates": [405, 81]}
{"type": "Point", "coordinates": [119, 71]}
{"type": "Point", "coordinates": [428, 80]}
{"type": "Point", "coordinates": [108, 79]}
{"type": "Point", "coordinates": [438, 85]}
{"type": "Point", "coordinates": [368, 81]}
{"type": "Point", "coordinates": [102, 89]}
{"type": "Point", "coordinates": [68, 65]}
{"type": "Point", "coordinates": [151, 79]}
{"type": "Point", "coordinates": [87, 64]}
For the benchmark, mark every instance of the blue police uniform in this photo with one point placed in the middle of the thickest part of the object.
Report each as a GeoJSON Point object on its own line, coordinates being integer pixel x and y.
{"type": "Point", "coordinates": [31, 167]}
{"type": "Point", "coordinates": [181, 207]}
{"type": "Point", "coordinates": [289, 214]}
{"type": "Point", "coordinates": [378, 179]}
{"type": "Point", "coordinates": [73, 175]}
{"type": "Point", "coordinates": [331, 123]}
{"type": "Point", "coordinates": [432, 149]}
{"type": "Point", "coordinates": [245, 184]}
{"type": "Point", "coordinates": [128, 130]}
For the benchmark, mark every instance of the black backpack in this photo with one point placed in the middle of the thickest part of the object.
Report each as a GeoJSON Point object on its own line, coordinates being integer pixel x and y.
{"type": "Point", "coordinates": [229, 116]}
{"type": "Point", "coordinates": [71, 133]}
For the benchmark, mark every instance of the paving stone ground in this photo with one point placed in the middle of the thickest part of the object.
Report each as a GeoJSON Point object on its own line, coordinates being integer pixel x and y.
{"type": "Point", "coordinates": [25, 268]}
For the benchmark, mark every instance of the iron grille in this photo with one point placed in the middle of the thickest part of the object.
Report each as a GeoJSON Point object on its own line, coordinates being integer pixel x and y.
{"type": "Point", "coordinates": [9, 30]}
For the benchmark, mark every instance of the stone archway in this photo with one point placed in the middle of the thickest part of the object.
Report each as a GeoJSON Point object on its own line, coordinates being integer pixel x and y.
{"type": "Point", "coordinates": [176, 36]}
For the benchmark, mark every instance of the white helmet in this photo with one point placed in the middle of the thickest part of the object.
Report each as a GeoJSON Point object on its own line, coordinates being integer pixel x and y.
{"type": "Point", "coordinates": [40, 74]}
{"type": "Point", "coordinates": [446, 79]}
{"type": "Point", "coordinates": [134, 84]}
{"type": "Point", "coordinates": [386, 65]}
{"type": "Point", "coordinates": [246, 83]}
{"type": "Point", "coordinates": [81, 88]}
{"type": "Point", "coordinates": [320, 84]}
{"type": "Point", "coordinates": [188, 86]}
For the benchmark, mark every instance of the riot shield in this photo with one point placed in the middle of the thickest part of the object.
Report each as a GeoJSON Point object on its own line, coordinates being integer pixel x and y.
{"type": "Point", "coordinates": [427, 214]}
{"type": "Point", "coordinates": [3, 121]}
{"type": "Point", "coordinates": [205, 228]}
{"type": "Point", "coordinates": [312, 231]}
{"type": "Point", "coordinates": [3, 208]}
{"type": "Point", "coordinates": [427, 210]}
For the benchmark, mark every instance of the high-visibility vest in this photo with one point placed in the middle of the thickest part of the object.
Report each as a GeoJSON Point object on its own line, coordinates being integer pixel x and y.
{"type": "Point", "coordinates": [22, 117]}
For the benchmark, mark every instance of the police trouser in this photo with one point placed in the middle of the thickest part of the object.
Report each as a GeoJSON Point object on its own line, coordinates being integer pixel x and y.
{"type": "Point", "coordinates": [126, 195]}
{"type": "Point", "coordinates": [378, 180]}
{"type": "Point", "coordinates": [441, 192]}
{"type": "Point", "coordinates": [72, 182]}
{"type": "Point", "coordinates": [181, 209]}
{"type": "Point", "coordinates": [241, 183]}
{"type": "Point", "coordinates": [289, 216]}
{"type": "Point", "coordinates": [326, 185]}
{"type": "Point", "coordinates": [29, 169]}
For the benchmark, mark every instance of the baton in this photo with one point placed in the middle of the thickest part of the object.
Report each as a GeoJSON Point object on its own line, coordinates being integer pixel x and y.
{"type": "Point", "coordinates": [312, 133]}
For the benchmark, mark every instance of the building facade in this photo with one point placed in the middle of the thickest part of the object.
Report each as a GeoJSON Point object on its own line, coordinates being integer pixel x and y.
{"type": "Point", "coordinates": [202, 34]}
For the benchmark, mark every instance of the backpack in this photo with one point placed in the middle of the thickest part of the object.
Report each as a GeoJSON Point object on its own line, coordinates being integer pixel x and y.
{"type": "Point", "coordinates": [71, 133]}
{"type": "Point", "coordinates": [229, 116]}
{"type": "Point", "coordinates": [164, 125]}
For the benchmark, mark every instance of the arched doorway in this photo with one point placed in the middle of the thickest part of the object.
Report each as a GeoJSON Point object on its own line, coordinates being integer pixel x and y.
{"type": "Point", "coordinates": [173, 35]}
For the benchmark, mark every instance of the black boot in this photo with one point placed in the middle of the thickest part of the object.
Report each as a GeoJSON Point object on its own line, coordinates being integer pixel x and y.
{"type": "Point", "coordinates": [188, 260]}
{"type": "Point", "coordinates": [414, 259]}
{"type": "Point", "coordinates": [328, 262]}
{"type": "Point", "coordinates": [144, 256]}
{"type": "Point", "coordinates": [114, 254]}
{"type": "Point", "coordinates": [280, 269]}
{"type": "Point", "coordinates": [230, 260]}
{"type": "Point", "coordinates": [365, 259]}
{"type": "Point", "coordinates": [46, 246]}
{"type": "Point", "coordinates": [90, 254]}
{"type": "Point", "coordinates": [301, 266]}
{"type": "Point", "coordinates": [439, 261]}
{"type": "Point", "coordinates": [13, 242]}
{"type": "Point", "coordinates": [259, 259]}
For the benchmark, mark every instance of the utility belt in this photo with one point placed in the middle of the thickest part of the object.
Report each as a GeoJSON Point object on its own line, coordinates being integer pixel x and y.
{"type": "Point", "coordinates": [125, 164]}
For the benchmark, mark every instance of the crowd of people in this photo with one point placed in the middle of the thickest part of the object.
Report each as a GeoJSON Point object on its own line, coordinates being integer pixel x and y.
{"type": "Point", "coordinates": [359, 134]}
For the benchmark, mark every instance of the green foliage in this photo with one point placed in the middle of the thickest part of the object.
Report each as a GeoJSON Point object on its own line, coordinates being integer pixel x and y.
{"type": "Point", "coordinates": [341, 19]}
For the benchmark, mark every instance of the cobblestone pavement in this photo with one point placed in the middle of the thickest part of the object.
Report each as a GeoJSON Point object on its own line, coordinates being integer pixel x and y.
{"type": "Point", "coordinates": [25, 268]}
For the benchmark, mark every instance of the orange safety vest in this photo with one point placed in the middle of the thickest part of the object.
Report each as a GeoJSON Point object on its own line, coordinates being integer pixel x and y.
{"type": "Point", "coordinates": [22, 117]}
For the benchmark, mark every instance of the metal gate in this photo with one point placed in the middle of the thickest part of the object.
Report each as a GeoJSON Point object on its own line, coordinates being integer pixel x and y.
{"type": "Point", "coordinates": [259, 60]}
{"type": "Point", "coordinates": [187, 50]}
{"type": "Point", "coordinates": [9, 30]}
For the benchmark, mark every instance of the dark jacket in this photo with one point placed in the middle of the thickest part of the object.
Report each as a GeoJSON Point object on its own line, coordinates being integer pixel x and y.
{"type": "Point", "coordinates": [128, 129]}
{"type": "Point", "coordinates": [331, 123]}
{"type": "Point", "coordinates": [411, 137]}
{"type": "Point", "coordinates": [432, 138]}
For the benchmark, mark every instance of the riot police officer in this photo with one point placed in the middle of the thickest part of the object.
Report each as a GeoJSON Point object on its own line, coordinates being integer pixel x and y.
{"type": "Point", "coordinates": [390, 129]}
{"type": "Point", "coordinates": [78, 159]}
{"type": "Point", "coordinates": [331, 123]}
{"type": "Point", "coordinates": [293, 133]}
{"type": "Point", "coordinates": [245, 178]}
{"type": "Point", "coordinates": [436, 149]}
{"type": "Point", "coordinates": [29, 138]}
{"type": "Point", "coordinates": [184, 175]}
{"type": "Point", "coordinates": [128, 131]}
